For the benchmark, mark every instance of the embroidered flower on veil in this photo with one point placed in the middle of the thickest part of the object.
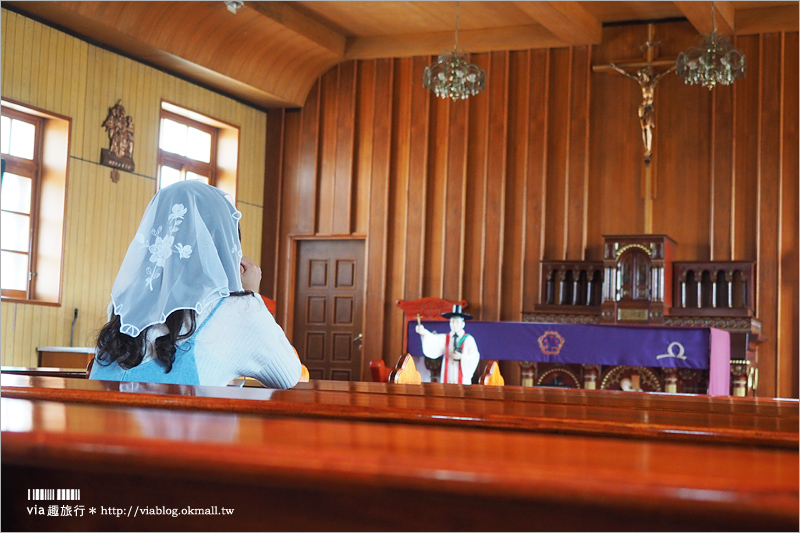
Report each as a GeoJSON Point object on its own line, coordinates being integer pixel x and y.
{"type": "Point", "coordinates": [161, 250]}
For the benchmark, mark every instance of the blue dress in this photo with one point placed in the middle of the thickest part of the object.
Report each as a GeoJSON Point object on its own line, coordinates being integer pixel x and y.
{"type": "Point", "coordinates": [184, 368]}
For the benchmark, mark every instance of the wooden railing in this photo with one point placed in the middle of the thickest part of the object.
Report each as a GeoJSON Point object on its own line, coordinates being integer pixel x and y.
{"type": "Point", "coordinates": [572, 284]}
{"type": "Point", "coordinates": [718, 288]}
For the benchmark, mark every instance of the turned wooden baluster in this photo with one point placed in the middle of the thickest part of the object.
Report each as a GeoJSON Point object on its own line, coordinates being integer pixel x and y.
{"type": "Point", "coordinates": [699, 282]}
{"type": "Point", "coordinates": [576, 279]}
{"type": "Point", "coordinates": [560, 276]}
{"type": "Point", "coordinates": [683, 289]}
{"type": "Point", "coordinates": [550, 287]}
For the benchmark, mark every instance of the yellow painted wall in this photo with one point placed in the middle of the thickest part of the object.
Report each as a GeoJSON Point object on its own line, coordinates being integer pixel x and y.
{"type": "Point", "coordinates": [50, 70]}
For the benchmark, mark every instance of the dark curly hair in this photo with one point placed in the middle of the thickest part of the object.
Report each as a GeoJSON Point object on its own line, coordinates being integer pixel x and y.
{"type": "Point", "coordinates": [128, 352]}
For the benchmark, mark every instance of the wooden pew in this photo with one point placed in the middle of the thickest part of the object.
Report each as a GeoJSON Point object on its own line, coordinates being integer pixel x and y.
{"type": "Point", "coordinates": [773, 424]}
{"type": "Point", "coordinates": [312, 474]}
{"type": "Point", "coordinates": [44, 371]}
{"type": "Point", "coordinates": [762, 407]}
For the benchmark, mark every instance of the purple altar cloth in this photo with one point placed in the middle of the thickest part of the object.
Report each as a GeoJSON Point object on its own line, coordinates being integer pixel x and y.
{"type": "Point", "coordinates": [648, 346]}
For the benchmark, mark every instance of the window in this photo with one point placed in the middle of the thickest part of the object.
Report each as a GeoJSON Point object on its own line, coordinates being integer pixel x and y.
{"type": "Point", "coordinates": [193, 146]}
{"type": "Point", "coordinates": [34, 147]}
{"type": "Point", "coordinates": [20, 136]}
{"type": "Point", "coordinates": [185, 150]}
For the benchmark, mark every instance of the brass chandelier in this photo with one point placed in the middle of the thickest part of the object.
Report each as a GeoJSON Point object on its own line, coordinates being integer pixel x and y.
{"type": "Point", "coordinates": [453, 76]}
{"type": "Point", "coordinates": [714, 62]}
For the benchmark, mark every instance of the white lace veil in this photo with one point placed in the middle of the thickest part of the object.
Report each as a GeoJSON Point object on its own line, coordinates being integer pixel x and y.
{"type": "Point", "coordinates": [185, 255]}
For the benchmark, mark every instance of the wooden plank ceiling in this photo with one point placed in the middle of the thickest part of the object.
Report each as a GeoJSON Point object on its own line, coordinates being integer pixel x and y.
{"type": "Point", "coordinates": [269, 54]}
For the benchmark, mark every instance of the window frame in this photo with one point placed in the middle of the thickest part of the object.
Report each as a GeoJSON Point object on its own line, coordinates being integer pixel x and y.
{"type": "Point", "coordinates": [186, 164]}
{"type": "Point", "coordinates": [50, 206]}
{"type": "Point", "coordinates": [30, 169]}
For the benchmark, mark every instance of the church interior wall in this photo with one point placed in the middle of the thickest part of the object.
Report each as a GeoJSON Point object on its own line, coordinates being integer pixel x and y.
{"type": "Point", "coordinates": [462, 200]}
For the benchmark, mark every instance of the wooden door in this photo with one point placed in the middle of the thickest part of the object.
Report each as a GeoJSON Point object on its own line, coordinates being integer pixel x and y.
{"type": "Point", "coordinates": [328, 310]}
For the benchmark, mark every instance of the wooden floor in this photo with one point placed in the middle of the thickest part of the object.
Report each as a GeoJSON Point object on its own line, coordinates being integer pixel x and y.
{"type": "Point", "coordinates": [137, 447]}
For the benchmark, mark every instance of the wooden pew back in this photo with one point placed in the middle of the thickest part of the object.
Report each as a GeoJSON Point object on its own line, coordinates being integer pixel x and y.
{"type": "Point", "coordinates": [775, 424]}
{"type": "Point", "coordinates": [315, 474]}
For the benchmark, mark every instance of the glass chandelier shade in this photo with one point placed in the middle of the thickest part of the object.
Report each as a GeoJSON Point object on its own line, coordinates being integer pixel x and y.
{"type": "Point", "coordinates": [714, 61]}
{"type": "Point", "coordinates": [453, 76]}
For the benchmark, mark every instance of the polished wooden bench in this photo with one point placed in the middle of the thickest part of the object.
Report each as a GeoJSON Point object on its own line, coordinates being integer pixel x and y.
{"type": "Point", "coordinates": [762, 407]}
{"type": "Point", "coordinates": [313, 474]}
{"type": "Point", "coordinates": [760, 423]}
{"type": "Point", "coordinates": [44, 371]}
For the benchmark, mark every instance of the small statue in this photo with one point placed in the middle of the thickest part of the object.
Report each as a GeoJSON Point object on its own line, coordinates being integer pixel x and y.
{"type": "Point", "coordinates": [647, 81]}
{"type": "Point", "coordinates": [119, 128]}
{"type": "Point", "coordinates": [458, 349]}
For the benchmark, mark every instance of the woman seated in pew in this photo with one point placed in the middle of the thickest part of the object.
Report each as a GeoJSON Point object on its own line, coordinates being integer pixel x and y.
{"type": "Point", "coordinates": [184, 306]}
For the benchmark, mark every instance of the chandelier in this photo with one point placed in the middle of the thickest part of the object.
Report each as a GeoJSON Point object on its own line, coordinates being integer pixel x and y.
{"type": "Point", "coordinates": [453, 76]}
{"type": "Point", "coordinates": [714, 61]}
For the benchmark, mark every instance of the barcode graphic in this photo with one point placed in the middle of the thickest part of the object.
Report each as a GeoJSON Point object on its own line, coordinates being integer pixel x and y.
{"type": "Point", "coordinates": [54, 494]}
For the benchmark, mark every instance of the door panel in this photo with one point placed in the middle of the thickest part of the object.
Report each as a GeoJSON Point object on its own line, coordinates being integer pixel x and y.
{"type": "Point", "coordinates": [329, 307]}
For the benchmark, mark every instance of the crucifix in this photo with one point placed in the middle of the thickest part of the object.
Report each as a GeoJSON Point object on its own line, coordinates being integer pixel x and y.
{"type": "Point", "coordinates": [647, 78]}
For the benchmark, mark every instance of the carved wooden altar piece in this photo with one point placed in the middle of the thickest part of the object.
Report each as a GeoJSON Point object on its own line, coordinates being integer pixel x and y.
{"type": "Point", "coordinates": [638, 282]}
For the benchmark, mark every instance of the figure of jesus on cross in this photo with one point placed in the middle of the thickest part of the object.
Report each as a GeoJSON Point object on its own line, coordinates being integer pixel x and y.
{"type": "Point", "coordinates": [647, 80]}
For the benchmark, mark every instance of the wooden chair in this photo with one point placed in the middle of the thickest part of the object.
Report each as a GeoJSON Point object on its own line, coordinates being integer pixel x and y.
{"type": "Point", "coordinates": [272, 305]}
{"type": "Point", "coordinates": [405, 371]}
{"type": "Point", "coordinates": [380, 372]}
{"type": "Point", "coordinates": [491, 375]}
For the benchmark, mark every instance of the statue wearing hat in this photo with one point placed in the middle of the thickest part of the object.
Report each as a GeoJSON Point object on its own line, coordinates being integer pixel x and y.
{"type": "Point", "coordinates": [458, 348]}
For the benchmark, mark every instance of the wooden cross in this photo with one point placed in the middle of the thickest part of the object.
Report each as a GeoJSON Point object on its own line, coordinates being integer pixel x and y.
{"type": "Point", "coordinates": [647, 79]}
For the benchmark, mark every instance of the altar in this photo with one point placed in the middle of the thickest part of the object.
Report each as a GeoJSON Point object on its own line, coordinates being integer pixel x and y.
{"type": "Point", "coordinates": [668, 349]}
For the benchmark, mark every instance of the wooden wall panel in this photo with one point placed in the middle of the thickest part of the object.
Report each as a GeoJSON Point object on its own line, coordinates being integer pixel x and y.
{"type": "Point", "coordinates": [307, 197]}
{"type": "Point", "coordinates": [364, 110]}
{"type": "Point", "coordinates": [682, 175]}
{"type": "Point", "coordinates": [496, 155]}
{"type": "Point", "coordinates": [536, 186]}
{"type": "Point", "coordinates": [788, 286]}
{"type": "Point", "coordinates": [47, 69]}
{"type": "Point", "coordinates": [434, 216]}
{"type": "Point", "coordinates": [721, 165]}
{"type": "Point", "coordinates": [454, 200]}
{"type": "Point", "coordinates": [769, 190]}
{"type": "Point", "coordinates": [747, 137]}
{"type": "Point", "coordinates": [276, 121]}
{"type": "Point", "coordinates": [325, 174]}
{"type": "Point", "coordinates": [397, 213]}
{"type": "Point", "coordinates": [555, 246]}
{"type": "Point", "coordinates": [343, 183]}
{"type": "Point", "coordinates": [578, 159]}
{"type": "Point", "coordinates": [417, 182]}
{"type": "Point", "coordinates": [515, 229]}
{"type": "Point", "coordinates": [477, 173]}
{"type": "Point", "coordinates": [290, 200]}
{"type": "Point", "coordinates": [378, 304]}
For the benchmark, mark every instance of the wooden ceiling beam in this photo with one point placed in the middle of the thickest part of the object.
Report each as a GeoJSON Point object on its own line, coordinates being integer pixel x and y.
{"type": "Point", "coordinates": [568, 21]}
{"type": "Point", "coordinates": [767, 20]}
{"type": "Point", "coordinates": [699, 14]}
{"type": "Point", "coordinates": [287, 16]}
{"type": "Point", "coordinates": [472, 41]}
